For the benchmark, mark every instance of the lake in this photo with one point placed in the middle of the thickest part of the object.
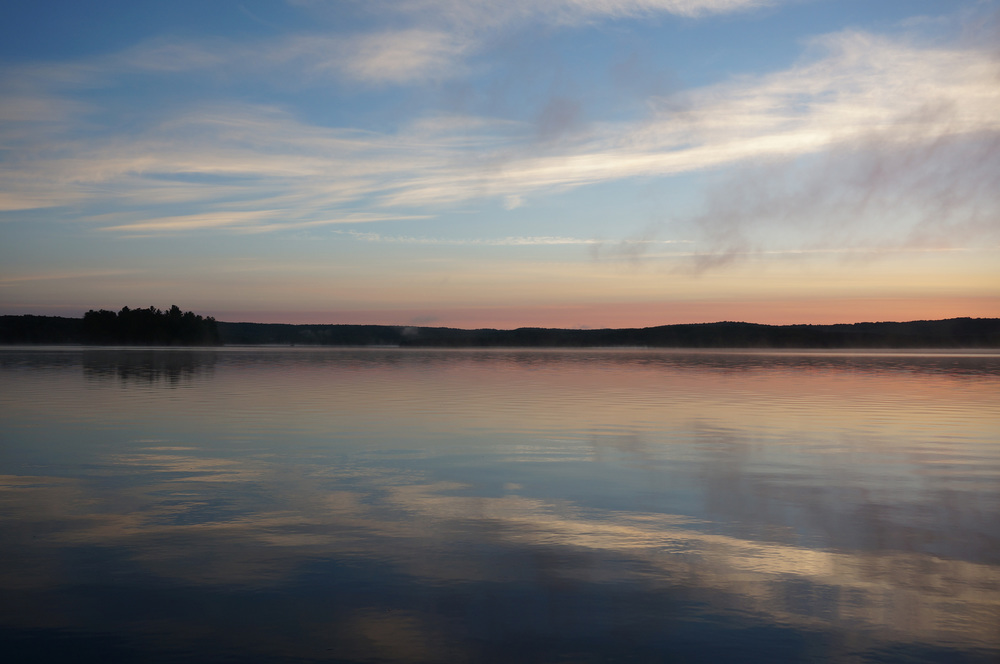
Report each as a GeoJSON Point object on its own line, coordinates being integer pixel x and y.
{"type": "Point", "coordinates": [389, 505]}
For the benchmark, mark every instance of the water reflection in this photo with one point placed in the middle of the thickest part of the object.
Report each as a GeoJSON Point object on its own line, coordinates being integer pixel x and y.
{"type": "Point", "coordinates": [148, 366]}
{"type": "Point", "coordinates": [436, 506]}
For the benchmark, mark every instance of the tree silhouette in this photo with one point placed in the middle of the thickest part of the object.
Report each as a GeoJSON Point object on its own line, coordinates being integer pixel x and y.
{"type": "Point", "coordinates": [148, 327]}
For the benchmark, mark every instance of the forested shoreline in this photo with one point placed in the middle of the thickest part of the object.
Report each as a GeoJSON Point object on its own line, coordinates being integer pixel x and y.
{"type": "Point", "coordinates": [152, 327]}
{"type": "Point", "coordinates": [127, 327]}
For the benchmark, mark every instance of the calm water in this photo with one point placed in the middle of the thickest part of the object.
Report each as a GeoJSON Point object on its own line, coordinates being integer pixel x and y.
{"type": "Point", "coordinates": [305, 505]}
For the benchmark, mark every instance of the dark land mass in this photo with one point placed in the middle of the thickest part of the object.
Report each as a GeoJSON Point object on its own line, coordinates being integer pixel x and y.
{"type": "Point", "coordinates": [152, 327]}
{"type": "Point", "coordinates": [128, 327]}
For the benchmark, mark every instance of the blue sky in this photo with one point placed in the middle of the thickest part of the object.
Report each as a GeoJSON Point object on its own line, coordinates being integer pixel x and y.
{"type": "Point", "coordinates": [461, 162]}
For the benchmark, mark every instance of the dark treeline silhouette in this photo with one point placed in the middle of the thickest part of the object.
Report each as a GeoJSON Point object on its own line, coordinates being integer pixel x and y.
{"type": "Point", "coordinates": [154, 327]}
{"type": "Point", "coordinates": [951, 333]}
{"type": "Point", "coordinates": [40, 330]}
{"type": "Point", "coordinates": [128, 327]}
{"type": "Point", "coordinates": [149, 327]}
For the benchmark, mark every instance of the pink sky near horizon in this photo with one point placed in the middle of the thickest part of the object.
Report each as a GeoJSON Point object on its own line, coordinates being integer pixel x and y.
{"type": "Point", "coordinates": [629, 315]}
{"type": "Point", "coordinates": [515, 168]}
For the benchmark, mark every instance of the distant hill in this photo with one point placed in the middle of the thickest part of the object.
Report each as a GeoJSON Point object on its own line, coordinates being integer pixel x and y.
{"type": "Point", "coordinates": [152, 327]}
{"type": "Point", "coordinates": [950, 333]}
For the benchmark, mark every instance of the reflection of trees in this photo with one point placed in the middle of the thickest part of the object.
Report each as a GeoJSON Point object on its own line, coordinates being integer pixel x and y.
{"type": "Point", "coordinates": [148, 366]}
{"type": "Point", "coordinates": [36, 360]}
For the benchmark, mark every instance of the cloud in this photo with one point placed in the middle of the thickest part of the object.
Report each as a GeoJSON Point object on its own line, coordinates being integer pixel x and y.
{"type": "Point", "coordinates": [510, 241]}
{"type": "Point", "coordinates": [196, 221]}
{"type": "Point", "coordinates": [398, 57]}
{"type": "Point", "coordinates": [486, 14]}
{"type": "Point", "coordinates": [168, 55]}
{"type": "Point", "coordinates": [678, 7]}
{"type": "Point", "coordinates": [865, 200]}
{"type": "Point", "coordinates": [559, 117]}
{"type": "Point", "coordinates": [58, 276]}
{"type": "Point", "coordinates": [513, 202]}
{"type": "Point", "coordinates": [257, 221]}
{"type": "Point", "coordinates": [407, 56]}
{"type": "Point", "coordinates": [865, 107]}
{"type": "Point", "coordinates": [490, 242]}
{"type": "Point", "coordinates": [441, 32]}
{"type": "Point", "coordinates": [866, 87]}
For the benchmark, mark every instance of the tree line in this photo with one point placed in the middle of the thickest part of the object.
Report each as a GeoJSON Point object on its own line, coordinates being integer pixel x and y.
{"type": "Point", "coordinates": [152, 327]}
{"type": "Point", "coordinates": [149, 327]}
{"type": "Point", "coordinates": [949, 333]}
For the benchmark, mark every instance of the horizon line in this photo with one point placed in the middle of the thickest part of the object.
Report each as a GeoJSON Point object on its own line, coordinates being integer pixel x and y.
{"type": "Point", "coordinates": [565, 329]}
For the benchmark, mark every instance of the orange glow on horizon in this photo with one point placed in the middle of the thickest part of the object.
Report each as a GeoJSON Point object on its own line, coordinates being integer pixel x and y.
{"type": "Point", "coordinates": [812, 311]}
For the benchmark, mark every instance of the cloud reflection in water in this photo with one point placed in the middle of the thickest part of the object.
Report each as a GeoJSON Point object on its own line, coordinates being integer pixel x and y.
{"type": "Point", "coordinates": [650, 529]}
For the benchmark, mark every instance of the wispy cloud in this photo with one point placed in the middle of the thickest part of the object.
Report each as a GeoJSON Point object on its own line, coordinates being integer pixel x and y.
{"type": "Point", "coordinates": [406, 56]}
{"type": "Point", "coordinates": [715, 257]}
{"type": "Point", "coordinates": [63, 275]}
{"type": "Point", "coordinates": [441, 33]}
{"type": "Point", "coordinates": [256, 221]}
{"type": "Point", "coordinates": [403, 56]}
{"type": "Point", "coordinates": [246, 166]}
{"type": "Point", "coordinates": [483, 13]}
{"type": "Point", "coordinates": [510, 241]}
{"type": "Point", "coordinates": [400, 56]}
{"type": "Point", "coordinates": [196, 221]}
{"type": "Point", "coordinates": [866, 87]}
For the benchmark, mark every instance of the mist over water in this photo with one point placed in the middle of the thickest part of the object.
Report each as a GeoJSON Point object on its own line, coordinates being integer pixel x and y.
{"type": "Point", "coordinates": [504, 505]}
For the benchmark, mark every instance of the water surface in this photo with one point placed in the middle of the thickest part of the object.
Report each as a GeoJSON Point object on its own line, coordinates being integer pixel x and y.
{"type": "Point", "coordinates": [307, 505]}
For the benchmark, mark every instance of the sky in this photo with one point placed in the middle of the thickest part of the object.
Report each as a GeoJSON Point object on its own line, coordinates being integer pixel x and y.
{"type": "Point", "coordinates": [474, 163]}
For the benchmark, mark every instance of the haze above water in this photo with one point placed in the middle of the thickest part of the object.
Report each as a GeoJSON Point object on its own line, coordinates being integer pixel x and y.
{"type": "Point", "coordinates": [498, 506]}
